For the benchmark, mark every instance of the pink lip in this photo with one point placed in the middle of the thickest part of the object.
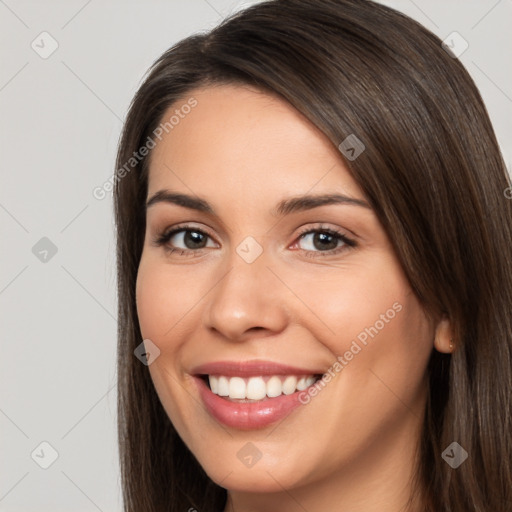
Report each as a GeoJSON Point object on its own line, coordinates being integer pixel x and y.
{"type": "Point", "coordinates": [250, 369]}
{"type": "Point", "coordinates": [248, 415]}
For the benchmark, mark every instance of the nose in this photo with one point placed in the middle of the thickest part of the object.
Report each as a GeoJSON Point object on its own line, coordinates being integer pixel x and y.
{"type": "Point", "coordinates": [247, 299]}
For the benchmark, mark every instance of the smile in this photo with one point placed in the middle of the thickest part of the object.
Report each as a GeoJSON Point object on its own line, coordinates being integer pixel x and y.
{"type": "Point", "coordinates": [251, 395]}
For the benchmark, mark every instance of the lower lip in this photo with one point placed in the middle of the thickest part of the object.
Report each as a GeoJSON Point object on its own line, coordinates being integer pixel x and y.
{"type": "Point", "coordinates": [247, 415]}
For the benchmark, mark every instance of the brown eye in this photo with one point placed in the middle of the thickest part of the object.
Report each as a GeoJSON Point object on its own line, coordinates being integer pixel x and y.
{"type": "Point", "coordinates": [322, 241]}
{"type": "Point", "coordinates": [186, 239]}
{"type": "Point", "coordinates": [193, 239]}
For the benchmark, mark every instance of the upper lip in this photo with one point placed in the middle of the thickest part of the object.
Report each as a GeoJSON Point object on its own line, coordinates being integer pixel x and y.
{"type": "Point", "coordinates": [252, 368]}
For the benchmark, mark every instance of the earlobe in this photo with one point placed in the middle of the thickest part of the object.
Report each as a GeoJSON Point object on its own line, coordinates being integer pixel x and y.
{"type": "Point", "coordinates": [443, 340]}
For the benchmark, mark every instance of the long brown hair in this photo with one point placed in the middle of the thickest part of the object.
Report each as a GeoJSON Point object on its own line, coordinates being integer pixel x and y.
{"type": "Point", "coordinates": [433, 173]}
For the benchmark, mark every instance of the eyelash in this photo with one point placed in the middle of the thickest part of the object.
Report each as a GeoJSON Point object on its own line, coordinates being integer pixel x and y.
{"type": "Point", "coordinates": [348, 242]}
{"type": "Point", "coordinates": [164, 237]}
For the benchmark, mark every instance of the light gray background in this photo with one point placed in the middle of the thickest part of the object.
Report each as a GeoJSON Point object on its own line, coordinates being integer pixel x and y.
{"type": "Point", "coordinates": [60, 122]}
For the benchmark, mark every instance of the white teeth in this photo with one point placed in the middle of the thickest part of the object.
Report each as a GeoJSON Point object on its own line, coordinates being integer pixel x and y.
{"type": "Point", "coordinates": [290, 385]}
{"type": "Point", "coordinates": [301, 385]}
{"type": "Point", "coordinates": [237, 387]}
{"type": "Point", "coordinates": [310, 381]}
{"type": "Point", "coordinates": [257, 388]}
{"type": "Point", "coordinates": [223, 389]}
{"type": "Point", "coordinates": [214, 384]}
{"type": "Point", "coordinates": [274, 387]}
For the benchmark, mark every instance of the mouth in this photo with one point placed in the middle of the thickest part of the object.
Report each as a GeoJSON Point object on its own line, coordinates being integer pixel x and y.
{"type": "Point", "coordinates": [253, 394]}
{"type": "Point", "coordinates": [257, 388]}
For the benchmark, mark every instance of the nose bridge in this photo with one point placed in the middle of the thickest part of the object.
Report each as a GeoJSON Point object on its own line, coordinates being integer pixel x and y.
{"type": "Point", "coordinates": [244, 298]}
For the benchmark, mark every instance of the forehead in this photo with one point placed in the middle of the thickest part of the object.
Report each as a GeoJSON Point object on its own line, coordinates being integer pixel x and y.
{"type": "Point", "coordinates": [239, 142]}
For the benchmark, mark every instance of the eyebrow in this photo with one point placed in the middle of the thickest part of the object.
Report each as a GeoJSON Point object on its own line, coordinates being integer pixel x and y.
{"type": "Point", "coordinates": [284, 207]}
{"type": "Point", "coordinates": [185, 200]}
{"type": "Point", "coordinates": [307, 202]}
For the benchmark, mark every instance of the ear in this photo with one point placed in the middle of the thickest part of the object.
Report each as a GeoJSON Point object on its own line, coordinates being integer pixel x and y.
{"type": "Point", "coordinates": [443, 340]}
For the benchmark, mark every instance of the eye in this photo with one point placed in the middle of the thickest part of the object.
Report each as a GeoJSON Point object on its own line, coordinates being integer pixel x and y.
{"type": "Point", "coordinates": [185, 239]}
{"type": "Point", "coordinates": [189, 239]}
{"type": "Point", "coordinates": [324, 240]}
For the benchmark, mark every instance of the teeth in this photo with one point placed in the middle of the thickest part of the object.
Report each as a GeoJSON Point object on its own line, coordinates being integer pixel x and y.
{"type": "Point", "coordinates": [223, 387]}
{"type": "Point", "coordinates": [302, 384]}
{"type": "Point", "coordinates": [257, 388]}
{"type": "Point", "coordinates": [214, 384]}
{"type": "Point", "coordinates": [289, 385]}
{"type": "Point", "coordinates": [237, 387]}
{"type": "Point", "coordinates": [274, 387]}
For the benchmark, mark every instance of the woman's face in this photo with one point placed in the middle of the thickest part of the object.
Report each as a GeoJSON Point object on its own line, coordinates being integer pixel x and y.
{"type": "Point", "coordinates": [277, 271]}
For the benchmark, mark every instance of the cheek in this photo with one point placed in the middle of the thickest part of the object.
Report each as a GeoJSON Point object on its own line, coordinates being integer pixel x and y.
{"type": "Point", "coordinates": [385, 347]}
{"type": "Point", "coordinates": [162, 309]}
{"type": "Point", "coordinates": [352, 301]}
{"type": "Point", "coordinates": [369, 316]}
{"type": "Point", "coordinates": [164, 299]}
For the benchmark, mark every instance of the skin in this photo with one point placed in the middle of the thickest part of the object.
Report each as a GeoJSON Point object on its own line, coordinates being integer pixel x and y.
{"type": "Point", "coordinates": [352, 447]}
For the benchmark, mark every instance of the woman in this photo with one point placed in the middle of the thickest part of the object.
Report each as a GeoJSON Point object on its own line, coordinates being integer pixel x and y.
{"type": "Point", "coordinates": [314, 267]}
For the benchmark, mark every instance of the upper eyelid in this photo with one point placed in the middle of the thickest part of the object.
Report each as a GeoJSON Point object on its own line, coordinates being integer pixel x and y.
{"type": "Point", "coordinates": [191, 227]}
{"type": "Point", "coordinates": [348, 240]}
{"type": "Point", "coordinates": [178, 229]}
{"type": "Point", "coordinates": [186, 227]}
{"type": "Point", "coordinates": [323, 229]}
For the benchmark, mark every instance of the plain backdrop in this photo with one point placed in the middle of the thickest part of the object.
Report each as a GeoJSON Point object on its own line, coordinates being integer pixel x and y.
{"type": "Point", "coordinates": [61, 116]}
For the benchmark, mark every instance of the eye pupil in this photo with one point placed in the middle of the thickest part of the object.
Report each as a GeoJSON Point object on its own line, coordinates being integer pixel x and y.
{"type": "Point", "coordinates": [194, 240]}
{"type": "Point", "coordinates": [323, 241]}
